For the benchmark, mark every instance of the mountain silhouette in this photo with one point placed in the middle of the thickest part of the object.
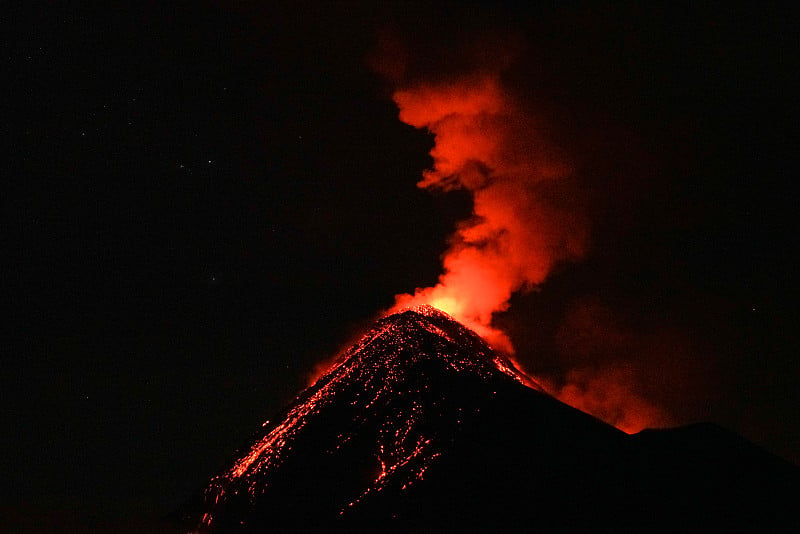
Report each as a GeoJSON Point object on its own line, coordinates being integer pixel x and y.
{"type": "Point", "coordinates": [422, 427]}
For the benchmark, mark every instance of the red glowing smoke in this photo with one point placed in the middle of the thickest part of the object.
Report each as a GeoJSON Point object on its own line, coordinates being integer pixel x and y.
{"type": "Point", "coordinates": [528, 216]}
{"type": "Point", "coordinates": [608, 394]}
{"type": "Point", "coordinates": [521, 226]}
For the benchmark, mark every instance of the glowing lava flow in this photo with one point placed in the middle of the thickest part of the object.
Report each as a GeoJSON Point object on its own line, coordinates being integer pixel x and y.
{"type": "Point", "coordinates": [384, 394]}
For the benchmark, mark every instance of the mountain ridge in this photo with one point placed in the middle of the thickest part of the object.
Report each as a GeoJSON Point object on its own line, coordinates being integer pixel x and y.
{"type": "Point", "coordinates": [422, 427]}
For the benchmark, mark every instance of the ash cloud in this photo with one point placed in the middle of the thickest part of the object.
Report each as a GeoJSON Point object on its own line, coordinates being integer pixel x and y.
{"type": "Point", "coordinates": [639, 158]}
{"type": "Point", "coordinates": [529, 216]}
{"type": "Point", "coordinates": [525, 217]}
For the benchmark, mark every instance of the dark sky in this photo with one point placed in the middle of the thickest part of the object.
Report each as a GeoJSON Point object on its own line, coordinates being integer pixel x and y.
{"type": "Point", "coordinates": [202, 201]}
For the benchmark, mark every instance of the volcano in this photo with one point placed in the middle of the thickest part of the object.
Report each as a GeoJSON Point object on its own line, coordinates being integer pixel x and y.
{"type": "Point", "coordinates": [422, 427]}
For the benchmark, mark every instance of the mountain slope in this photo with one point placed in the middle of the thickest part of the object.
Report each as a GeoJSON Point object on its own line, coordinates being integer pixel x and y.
{"type": "Point", "coordinates": [423, 428]}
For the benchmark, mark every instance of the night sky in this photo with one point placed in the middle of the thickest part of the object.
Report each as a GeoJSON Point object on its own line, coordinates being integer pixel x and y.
{"type": "Point", "coordinates": [203, 201]}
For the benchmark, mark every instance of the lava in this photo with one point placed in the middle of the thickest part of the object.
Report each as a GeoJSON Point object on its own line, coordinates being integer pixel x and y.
{"type": "Point", "coordinates": [383, 377]}
{"type": "Point", "coordinates": [423, 427]}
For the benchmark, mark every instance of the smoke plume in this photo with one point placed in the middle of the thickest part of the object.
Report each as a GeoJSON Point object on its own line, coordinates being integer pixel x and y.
{"type": "Point", "coordinates": [529, 214]}
{"type": "Point", "coordinates": [524, 218]}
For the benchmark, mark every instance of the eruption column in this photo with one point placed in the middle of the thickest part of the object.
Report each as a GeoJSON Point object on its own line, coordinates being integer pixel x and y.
{"type": "Point", "coordinates": [522, 221]}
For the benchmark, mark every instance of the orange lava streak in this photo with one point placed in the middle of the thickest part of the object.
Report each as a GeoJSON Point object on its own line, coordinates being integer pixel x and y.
{"type": "Point", "coordinates": [370, 378]}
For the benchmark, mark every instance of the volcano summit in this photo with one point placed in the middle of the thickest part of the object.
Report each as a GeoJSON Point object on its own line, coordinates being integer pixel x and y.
{"type": "Point", "coordinates": [422, 427]}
